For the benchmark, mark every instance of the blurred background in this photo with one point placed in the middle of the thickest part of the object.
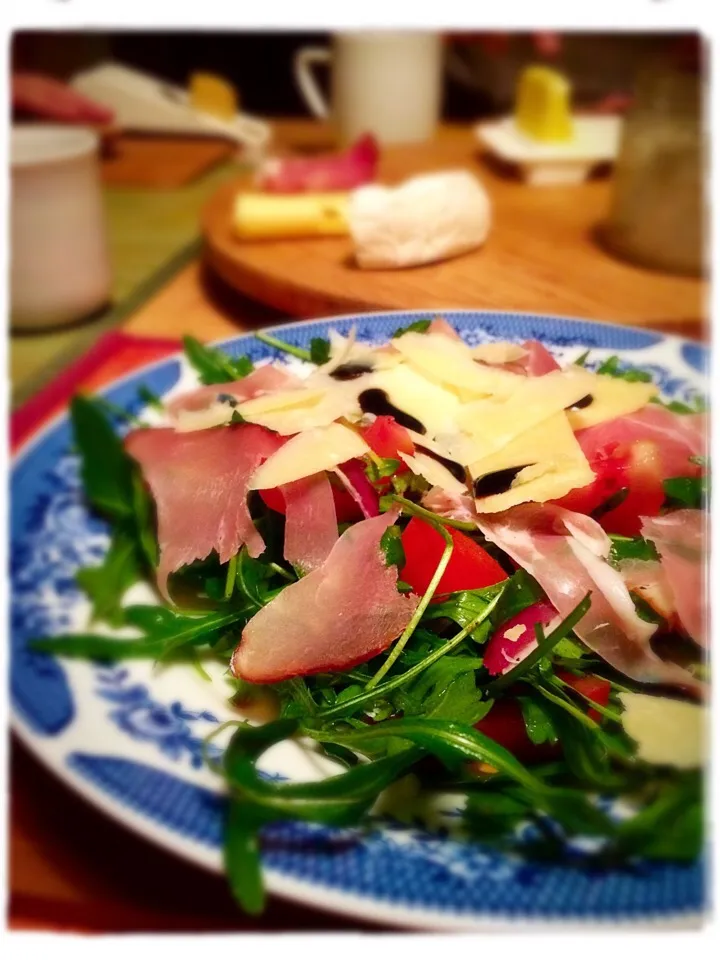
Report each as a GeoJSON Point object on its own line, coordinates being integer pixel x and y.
{"type": "Point", "coordinates": [158, 183]}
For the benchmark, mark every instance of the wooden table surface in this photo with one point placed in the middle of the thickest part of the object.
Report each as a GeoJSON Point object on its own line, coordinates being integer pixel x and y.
{"type": "Point", "coordinates": [70, 867]}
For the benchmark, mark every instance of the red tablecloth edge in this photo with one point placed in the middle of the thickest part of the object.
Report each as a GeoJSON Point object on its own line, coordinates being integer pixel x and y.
{"type": "Point", "coordinates": [56, 395]}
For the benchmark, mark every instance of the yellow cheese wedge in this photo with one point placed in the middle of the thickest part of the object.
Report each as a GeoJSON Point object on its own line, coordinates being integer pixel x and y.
{"type": "Point", "coordinates": [552, 461]}
{"type": "Point", "coordinates": [310, 452]}
{"type": "Point", "coordinates": [290, 411]}
{"type": "Point", "coordinates": [450, 363]}
{"type": "Point", "coordinates": [542, 105]}
{"type": "Point", "coordinates": [492, 423]}
{"type": "Point", "coordinates": [435, 473]}
{"type": "Point", "coordinates": [667, 732]}
{"type": "Point", "coordinates": [213, 95]}
{"type": "Point", "coordinates": [611, 397]}
{"type": "Point", "coordinates": [261, 216]}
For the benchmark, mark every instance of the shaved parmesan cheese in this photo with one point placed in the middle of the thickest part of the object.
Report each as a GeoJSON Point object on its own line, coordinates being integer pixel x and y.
{"type": "Point", "coordinates": [552, 464]}
{"type": "Point", "coordinates": [427, 218]}
{"type": "Point", "coordinates": [215, 415]}
{"type": "Point", "coordinates": [435, 473]}
{"type": "Point", "coordinates": [667, 732]}
{"type": "Point", "coordinates": [500, 352]}
{"type": "Point", "coordinates": [309, 452]}
{"type": "Point", "coordinates": [290, 411]}
{"type": "Point", "coordinates": [409, 391]}
{"type": "Point", "coordinates": [611, 398]}
{"type": "Point", "coordinates": [493, 422]}
{"type": "Point", "coordinates": [450, 363]}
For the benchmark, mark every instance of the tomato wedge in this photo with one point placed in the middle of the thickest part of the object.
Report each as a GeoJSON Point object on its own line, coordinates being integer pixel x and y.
{"type": "Point", "coordinates": [470, 567]}
{"type": "Point", "coordinates": [387, 438]}
{"type": "Point", "coordinates": [346, 509]}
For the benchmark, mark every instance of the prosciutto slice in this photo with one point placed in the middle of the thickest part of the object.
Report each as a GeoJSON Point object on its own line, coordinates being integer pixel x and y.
{"type": "Point", "coordinates": [199, 482]}
{"type": "Point", "coordinates": [566, 553]}
{"type": "Point", "coordinates": [262, 380]}
{"type": "Point", "coordinates": [338, 171]}
{"type": "Point", "coordinates": [648, 580]}
{"type": "Point", "coordinates": [678, 437]}
{"type": "Point", "coordinates": [310, 521]}
{"type": "Point", "coordinates": [341, 614]}
{"type": "Point", "coordinates": [536, 361]}
{"type": "Point", "coordinates": [679, 538]}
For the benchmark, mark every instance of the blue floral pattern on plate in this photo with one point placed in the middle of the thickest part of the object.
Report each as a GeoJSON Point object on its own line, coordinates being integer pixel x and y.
{"type": "Point", "coordinates": [404, 869]}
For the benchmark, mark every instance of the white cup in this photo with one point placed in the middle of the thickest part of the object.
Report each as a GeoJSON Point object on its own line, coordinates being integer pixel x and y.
{"type": "Point", "coordinates": [385, 83]}
{"type": "Point", "coordinates": [59, 266]}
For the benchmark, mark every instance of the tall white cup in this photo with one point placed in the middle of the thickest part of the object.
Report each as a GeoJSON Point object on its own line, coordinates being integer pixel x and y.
{"type": "Point", "coordinates": [59, 267]}
{"type": "Point", "coordinates": [383, 82]}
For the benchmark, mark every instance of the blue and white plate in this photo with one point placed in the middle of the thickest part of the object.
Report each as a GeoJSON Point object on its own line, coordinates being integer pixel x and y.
{"type": "Point", "coordinates": [128, 737]}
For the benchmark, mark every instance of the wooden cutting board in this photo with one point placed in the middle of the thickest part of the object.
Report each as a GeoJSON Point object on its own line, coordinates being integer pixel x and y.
{"type": "Point", "coordinates": [541, 256]}
{"type": "Point", "coordinates": [160, 162]}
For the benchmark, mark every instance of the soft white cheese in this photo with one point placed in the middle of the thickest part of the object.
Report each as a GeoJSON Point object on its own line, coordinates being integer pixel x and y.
{"type": "Point", "coordinates": [427, 218]}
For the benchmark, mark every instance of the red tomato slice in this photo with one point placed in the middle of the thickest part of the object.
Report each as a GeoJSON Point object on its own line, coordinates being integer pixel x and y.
{"type": "Point", "coordinates": [638, 467]}
{"type": "Point", "coordinates": [387, 438]}
{"type": "Point", "coordinates": [346, 508]}
{"type": "Point", "coordinates": [506, 726]}
{"type": "Point", "coordinates": [470, 566]}
{"type": "Point", "coordinates": [596, 689]}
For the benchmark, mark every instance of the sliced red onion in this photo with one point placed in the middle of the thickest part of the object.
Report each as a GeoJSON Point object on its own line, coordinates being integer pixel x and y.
{"type": "Point", "coordinates": [352, 474]}
{"type": "Point", "coordinates": [516, 637]}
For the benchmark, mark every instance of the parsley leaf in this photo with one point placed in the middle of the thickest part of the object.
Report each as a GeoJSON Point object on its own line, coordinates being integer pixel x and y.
{"type": "Point", "coordinates": [214, 366]}
{"type": "Point", "coordinates": [613, 367]}
{"type": "Point", "coordinates": [417, 326]}
{"type": "Point", "coordinates": [319, 350]}
{"type": "Point", "coordinates": [692, 492]}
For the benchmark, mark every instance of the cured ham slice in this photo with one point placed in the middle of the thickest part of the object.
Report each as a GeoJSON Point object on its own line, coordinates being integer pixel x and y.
{"type": "Point", "coordinates": [310, 522]}
{"type": "Point", "coordinates": [262, 380]}
{"type": "Point", "coordinates": [678, 437]}
{"type": "Point", "coordinates": [328, 172]}
{"type": "Point", "coordinates": [648, 580]}
{"type": "Point", "coordinates": [199, 482]}
{"type": "Point", "coordinates": [679, 538]}
{"type": "Point", "coordinates": [440, 325]}
{"type": "Point", "coordinates": [341, 614]}
{"type": "Point", "coordinates": [538, 361]}
{"type": "Point", "coordinates": [544, 540]}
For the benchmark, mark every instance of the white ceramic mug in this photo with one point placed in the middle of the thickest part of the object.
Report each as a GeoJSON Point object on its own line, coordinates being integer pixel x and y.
{"type": "Point", "coordinates": [59, 266]}
{"type": "Point", "coordinates": [383, 82]}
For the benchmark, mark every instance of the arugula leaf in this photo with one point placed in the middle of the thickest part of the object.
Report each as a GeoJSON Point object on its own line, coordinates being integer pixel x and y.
{"type": "Point", "coordinates": [338, 801]}
{"type": "Point", "coordinates": [150, 398]}
{"type": "Point", "coordinates": [214, 366]}
{"type": "Point", "coordinates": [692, 492]}
{"type": "Point", "coordinates": [520, 592]}
{"type": "Point", "coordinates": [391, 546]}
{"type": "Point", "coordinates": [463, 607]}
{"type": "Point", "coordinates": [106, 469]}
{"type": "Point", "coordinates": [165, 633]}
{"type": "Point", "coordinates": [283, 345]}
{"type": "Point", "coordinates": [144, 510]}
{"type": "Point", "coordinates": [581, 361]}
{"type": "Point", "coordinates": [417, 326]}
{"type": "Point", "coordinates": [614, 367]}
{"type": "Point", "coordinates": [377, 468]}
{"type": "Point", "coordinates": [698, 405]}
{"type": "Point", "coordinates": [538, 723]}
{"type": "Point", "coordinates": [670, 826]}
{"type": "Point", "coordinates": [445, 691]}
{"type": "Point", "coordinates": [106, 584]}
{"type": "Point", "coordinates": [319, 350]}
{"type": "Point", "coordinates": [631, 548]}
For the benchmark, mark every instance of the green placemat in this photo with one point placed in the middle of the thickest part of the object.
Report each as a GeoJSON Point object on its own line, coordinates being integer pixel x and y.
{"type": "Point", "coordinates": [151, 234]}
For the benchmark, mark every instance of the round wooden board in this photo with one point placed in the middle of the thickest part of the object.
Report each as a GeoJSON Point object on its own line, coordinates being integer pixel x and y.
{"type": "Point", "coordinates": [541, 256]}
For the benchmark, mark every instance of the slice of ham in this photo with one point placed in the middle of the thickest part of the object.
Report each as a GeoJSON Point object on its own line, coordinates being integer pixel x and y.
{"type": "Point", "coordinates": [327, 172]}
{"type": "Point", "coordinates": [678, 436]}
{"type": "Point", "coordinates": [543, 540]}
{"type": "Point", "coordinates": [262, 380]}
{"type": "Point", "coordinates": [342, 614]}
{"type": "Point", "coordinates": [536, 361]}
{"type": "Point", "coordinates": [648, 580]}
{"type": "Point", "coordinates": [680, 539]}
{"type": "Point", "coordinates": [199, 482]}
{"type": "Point", "coordinates": [310, 522]}
{"type": "Point", "coordinates": [440, 325]}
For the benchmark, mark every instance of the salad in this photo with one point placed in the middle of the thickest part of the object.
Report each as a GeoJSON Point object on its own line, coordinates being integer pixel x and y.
{"type": "Point", "coordinates": [454, 571]}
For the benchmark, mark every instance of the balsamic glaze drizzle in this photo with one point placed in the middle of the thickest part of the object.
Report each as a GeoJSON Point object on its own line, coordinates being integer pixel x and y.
{"type": "Point", "coordinates": [497, 482]}
{"type": "Point", "coordinates": [350, 371]}
{"type": "Point", "coordinates": [228, 398]}
{"type": "Point", "coordinates": [455, 468]}
{"type": "Point", "coordinates": [376, 401]}
{"type": "Point", "coordinates": [581, 403]}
